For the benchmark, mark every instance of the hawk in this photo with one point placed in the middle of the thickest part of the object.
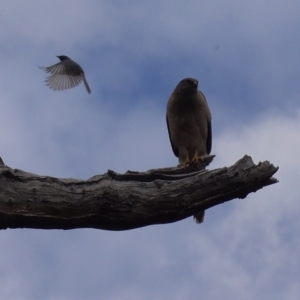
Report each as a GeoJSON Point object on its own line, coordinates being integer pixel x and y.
{"type": "Point", "coordinates": [189, 125]}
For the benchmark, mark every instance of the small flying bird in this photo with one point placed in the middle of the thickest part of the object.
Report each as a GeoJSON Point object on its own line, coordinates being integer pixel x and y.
{"type": "Point", "coordinates": [189, 125]}
{"type": "Point", "coordinates": [65, 75]}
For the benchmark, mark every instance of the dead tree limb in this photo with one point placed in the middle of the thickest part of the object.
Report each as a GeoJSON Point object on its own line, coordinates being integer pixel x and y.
{"type": "Point", "coordinates": [123, 201]}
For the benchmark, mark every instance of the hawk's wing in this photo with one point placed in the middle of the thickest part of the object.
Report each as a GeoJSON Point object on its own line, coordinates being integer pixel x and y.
{"type": "Point", "coordinates": [209, 129]}
{"type": "Point", "coordinates": [209, 137]}
{"type": "Point", "coordinates": [175, 150]}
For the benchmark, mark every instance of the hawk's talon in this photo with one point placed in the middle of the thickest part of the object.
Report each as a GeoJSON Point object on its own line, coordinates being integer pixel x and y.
{"type": "Point", "coordinates": [186, 162]}
{"type": "Point", "coordinates": [196, 159]}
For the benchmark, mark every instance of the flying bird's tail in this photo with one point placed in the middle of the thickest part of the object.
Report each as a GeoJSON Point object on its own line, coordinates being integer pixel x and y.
{"type": "Point", "coordinates": [86, 85]}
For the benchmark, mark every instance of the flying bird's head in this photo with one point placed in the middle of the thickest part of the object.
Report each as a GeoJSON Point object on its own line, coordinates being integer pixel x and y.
{"type": "Point", "coordinates": [63, 57]}
{"type": "Point", "coordinates": [188, 86]}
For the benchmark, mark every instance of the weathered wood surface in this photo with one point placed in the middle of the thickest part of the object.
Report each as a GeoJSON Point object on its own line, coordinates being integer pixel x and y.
{"type": "Point", "coordinates": [124, 201]}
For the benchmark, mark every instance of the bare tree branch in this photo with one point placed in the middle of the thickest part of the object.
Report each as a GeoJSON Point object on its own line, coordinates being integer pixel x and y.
{"type": "Point", "coordinates": [124, 201]}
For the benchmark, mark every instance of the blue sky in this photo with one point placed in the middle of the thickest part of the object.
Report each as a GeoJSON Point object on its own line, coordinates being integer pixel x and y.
{"type": "Point", "coordinates": [246, 58]}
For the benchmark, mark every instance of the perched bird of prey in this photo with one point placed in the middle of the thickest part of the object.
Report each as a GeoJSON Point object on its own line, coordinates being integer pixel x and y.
{"type": "Point", "coordinates": [189, 125]}
{"type": "Point", "coordinates": [65, 75]}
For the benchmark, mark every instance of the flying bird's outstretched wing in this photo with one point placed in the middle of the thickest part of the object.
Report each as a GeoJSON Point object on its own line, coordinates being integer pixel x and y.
{"type": "Point", "coordinates": [65, 75]}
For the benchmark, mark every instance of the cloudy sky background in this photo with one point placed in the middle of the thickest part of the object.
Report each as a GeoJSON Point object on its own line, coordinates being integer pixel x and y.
{"type": "Point", "coordinates": [245, 55]}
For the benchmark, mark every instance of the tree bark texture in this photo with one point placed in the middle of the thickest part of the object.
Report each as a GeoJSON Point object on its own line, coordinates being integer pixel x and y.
{"type": "Point", "coordinates": [124, 201]}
